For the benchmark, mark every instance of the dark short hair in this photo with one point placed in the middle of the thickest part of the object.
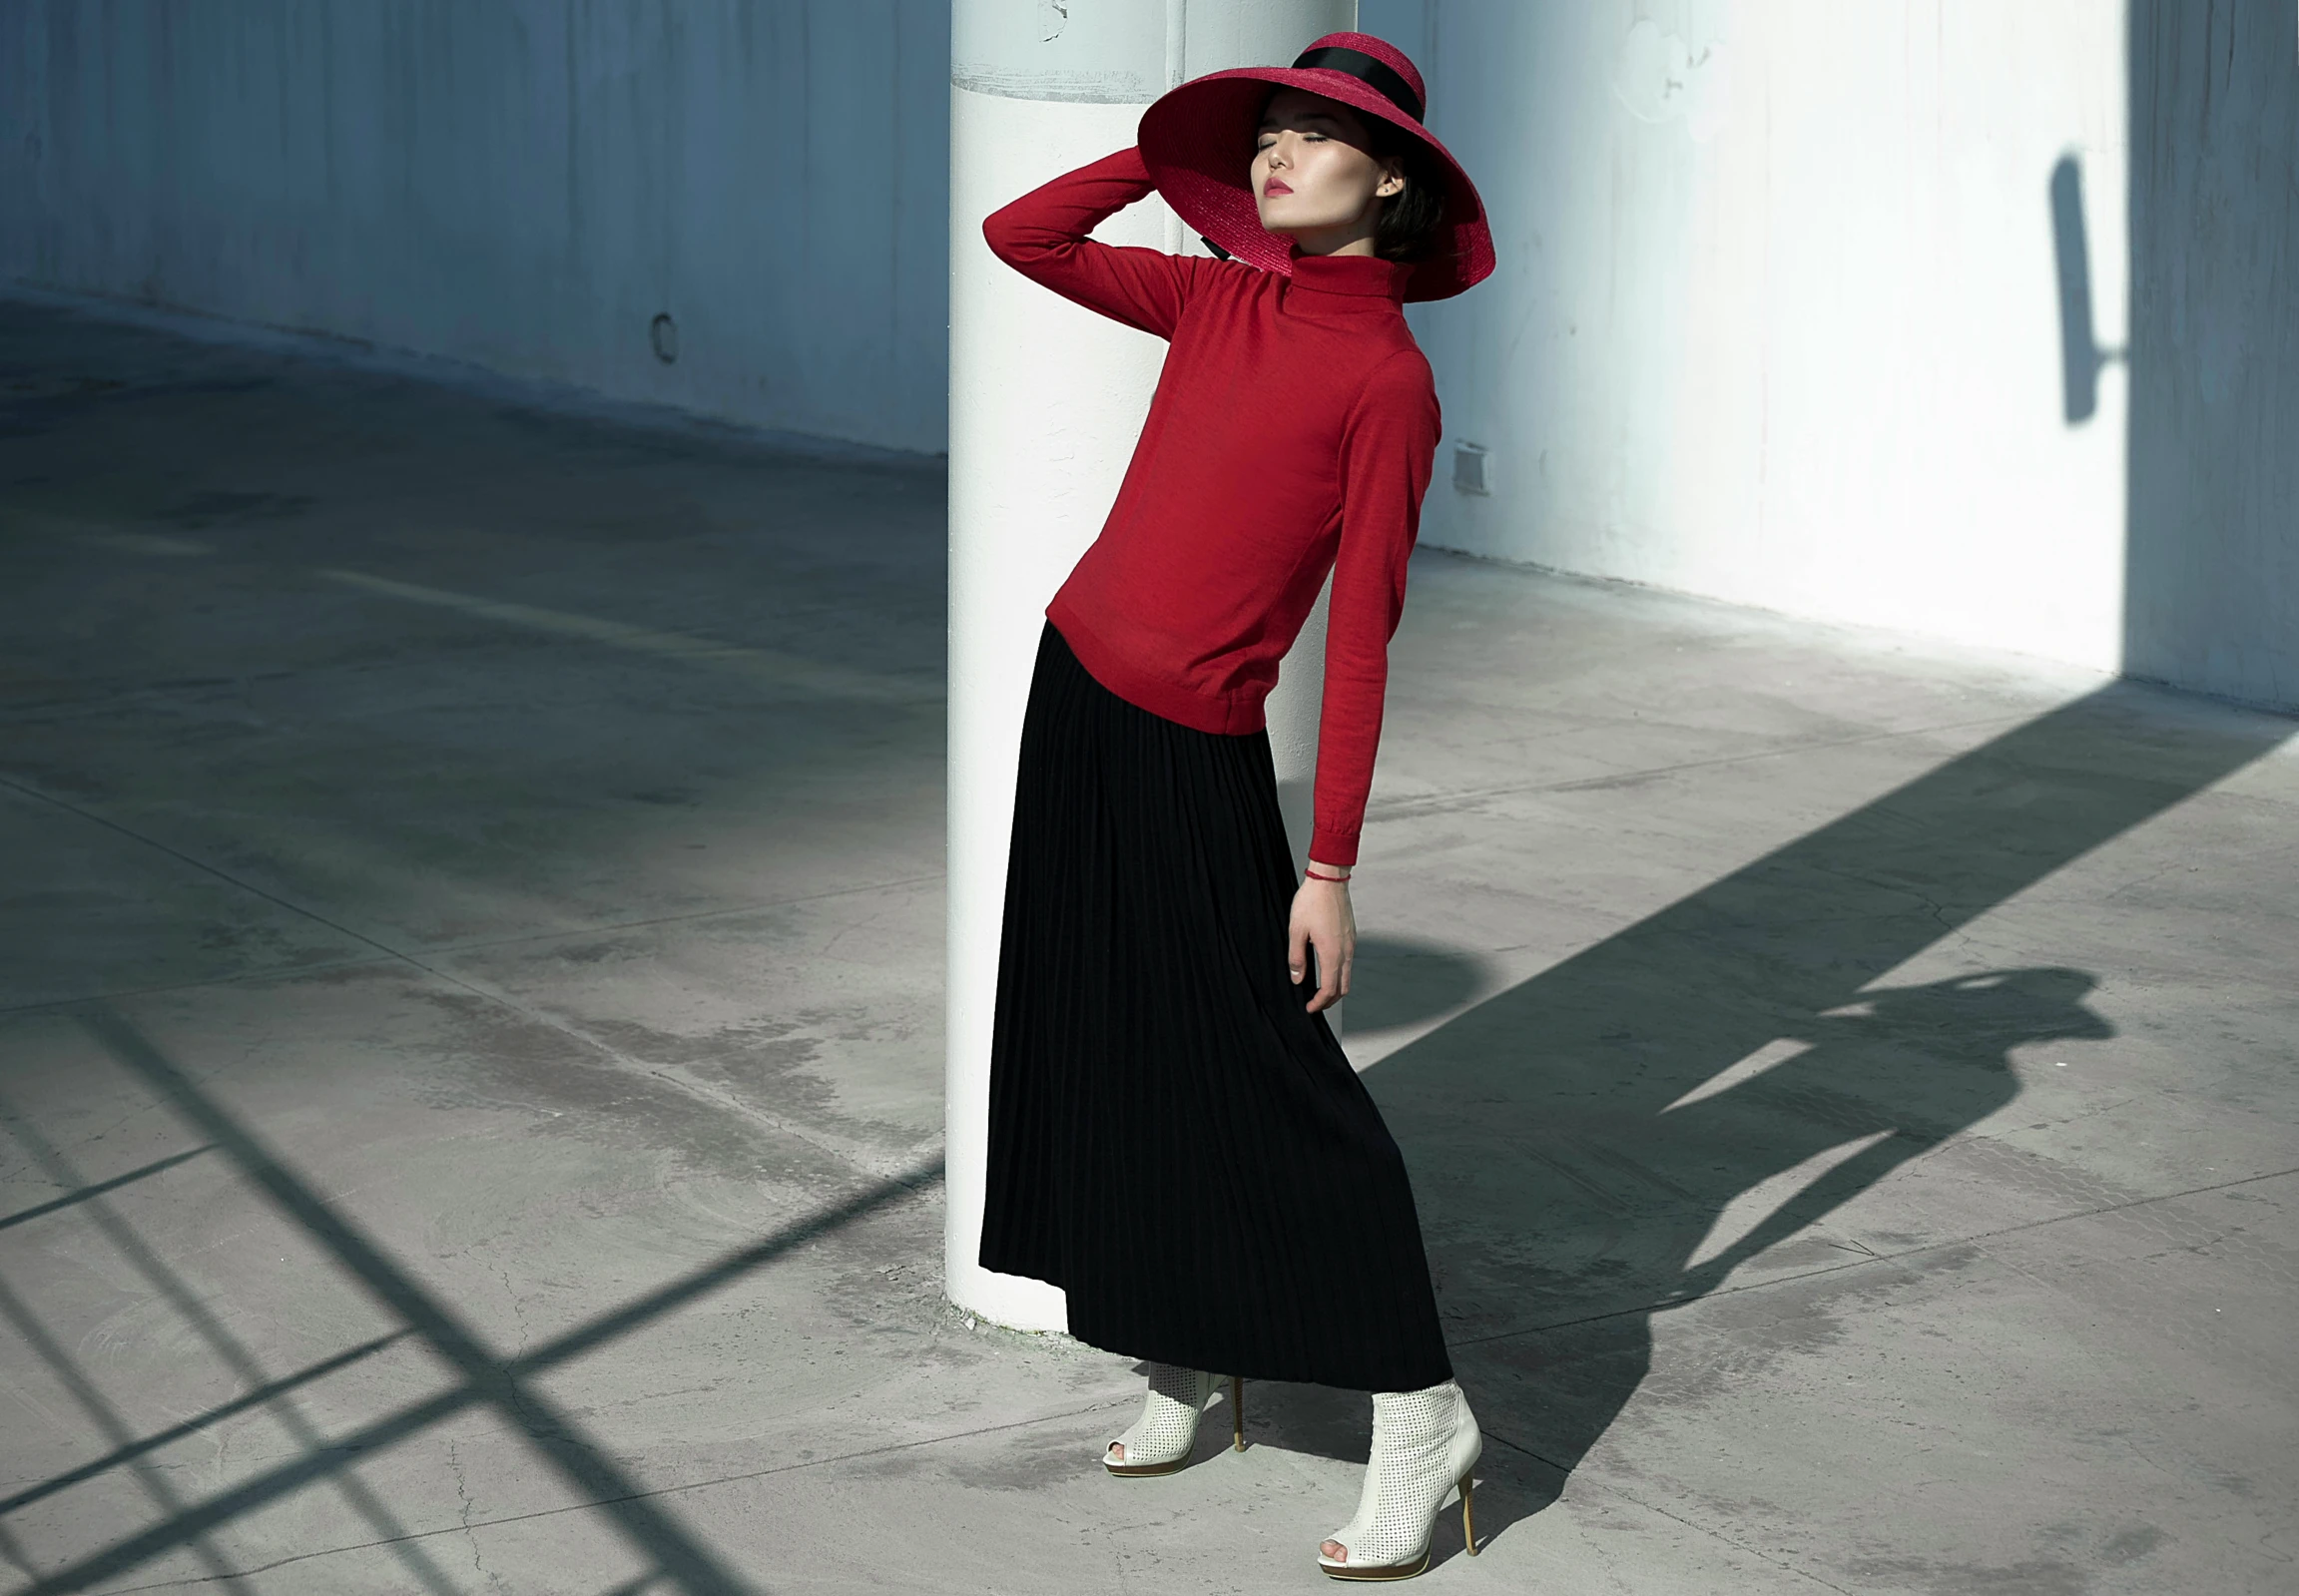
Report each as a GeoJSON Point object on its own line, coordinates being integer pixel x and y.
{"type": "Point", "coordinates": [1407, 230]}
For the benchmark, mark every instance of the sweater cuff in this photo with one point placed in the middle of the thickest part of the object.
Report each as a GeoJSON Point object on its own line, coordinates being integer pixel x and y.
{"type": "Point", "coordinates": [1332, 847]}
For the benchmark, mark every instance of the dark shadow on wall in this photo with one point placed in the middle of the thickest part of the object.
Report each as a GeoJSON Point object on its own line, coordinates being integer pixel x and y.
{"type": "Point", "coordinates": [1576, 1141]}
{"type": "Point", "coordinates": [2081, 357]}
{"type": "Point", "coordinates": [2212, 563]}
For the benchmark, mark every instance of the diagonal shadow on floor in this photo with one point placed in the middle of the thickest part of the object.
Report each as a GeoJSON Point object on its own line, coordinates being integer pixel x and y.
{"type": "Point", "coordinates": [1576, 1141]}
{"type": "Point", "coordinates": [507, 1384]}
{"type": "Point", "coordinates": [189, 1308]}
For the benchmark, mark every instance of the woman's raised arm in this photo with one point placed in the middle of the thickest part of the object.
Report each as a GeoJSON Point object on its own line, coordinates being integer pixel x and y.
{"type": "Point", "coordinates": [1043, 235]}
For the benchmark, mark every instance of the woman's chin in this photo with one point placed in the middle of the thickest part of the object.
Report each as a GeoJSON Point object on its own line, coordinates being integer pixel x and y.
{"type": "Point", "coordinates": [1287, 220]}
{"type": "Point", "coordinates": [1281, 218]}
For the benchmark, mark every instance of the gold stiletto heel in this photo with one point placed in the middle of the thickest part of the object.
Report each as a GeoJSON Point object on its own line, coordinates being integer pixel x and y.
{"type": "Point", "coordinates": [1467, 1517]}
{"type": "Point", "coordinates": [1236, 1413]}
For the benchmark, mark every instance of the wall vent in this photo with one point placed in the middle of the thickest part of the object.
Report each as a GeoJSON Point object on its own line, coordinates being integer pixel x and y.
{"type": "Point", "coordinates": [1470, 469]}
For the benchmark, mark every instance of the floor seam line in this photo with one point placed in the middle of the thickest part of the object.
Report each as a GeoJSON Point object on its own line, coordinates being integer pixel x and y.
{"type": "Point", "coordinates": [1667, 1303]}
{"type": "Point", "coordinates": [575, 1032]}
{"type": "Point", "coordinates": [1408, 808]}
{"type": "Point", "coordinates": [288, 972]}
{"type": "Point", "coordinates": [1718, 1535]}
{"type": "Point", "coordinates": [197, 863]}
{"type": "Point", "coordinates": [122, 994]}
{"type": "Point", "coordinates": [759, 907]}
{"type": "Point", "coordinates": [658, 1491]}
{"type": "Point", "coordinates": [1595, 1482]}
{"type": "Point", "coordinates": [413, 961]}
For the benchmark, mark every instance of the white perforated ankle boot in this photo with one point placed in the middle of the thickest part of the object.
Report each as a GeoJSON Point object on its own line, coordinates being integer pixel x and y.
{"type": "Point", "coordinates": [1424, 1443]}
{"type": "Point", "coordinates": [1159, 1441]}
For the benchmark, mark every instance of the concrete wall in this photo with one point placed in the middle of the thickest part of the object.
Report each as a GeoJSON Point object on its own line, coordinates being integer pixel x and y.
{"type": "Point", "coordinates": [2214, 416]}
{"type": "Point", "coordinates": [521, 183]}
{"type": "Point", "coordinates": [1858, 311]}
{"type": "Point", "coordinates": [1787, 309]}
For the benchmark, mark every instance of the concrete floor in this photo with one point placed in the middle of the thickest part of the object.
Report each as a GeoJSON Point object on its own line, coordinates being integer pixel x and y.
{"type": "Point", "coordinates": [471, 1051]}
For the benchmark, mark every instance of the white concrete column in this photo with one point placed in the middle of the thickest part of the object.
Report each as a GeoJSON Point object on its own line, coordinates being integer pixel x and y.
{"type": "Point", "coordinates": [1046, 400]}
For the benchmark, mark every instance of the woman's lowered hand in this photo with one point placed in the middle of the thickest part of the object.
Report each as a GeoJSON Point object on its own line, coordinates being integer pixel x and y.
{"type": "Point", "coordinates": [1322, 921]}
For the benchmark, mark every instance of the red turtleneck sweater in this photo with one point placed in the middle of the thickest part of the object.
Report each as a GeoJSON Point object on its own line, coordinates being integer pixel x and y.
{"type": "Point", "coordinates": [1292, 434]}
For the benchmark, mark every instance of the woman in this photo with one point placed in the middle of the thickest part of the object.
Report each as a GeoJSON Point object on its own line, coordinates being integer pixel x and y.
{"type": "Point", "coordinates": [1176, 1138]}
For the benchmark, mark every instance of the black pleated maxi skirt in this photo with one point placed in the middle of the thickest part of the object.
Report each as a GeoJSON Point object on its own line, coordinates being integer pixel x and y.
{"type": "Point", "coordinates": [1173, 1140]}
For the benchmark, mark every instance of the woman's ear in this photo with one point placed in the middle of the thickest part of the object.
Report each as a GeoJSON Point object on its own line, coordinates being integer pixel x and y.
{"type": "Point", "coordinates": [1392, 182]}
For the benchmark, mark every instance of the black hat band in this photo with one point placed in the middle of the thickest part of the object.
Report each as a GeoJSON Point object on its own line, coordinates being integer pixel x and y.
{"type": "Point", "coordinates": [1367, 69]}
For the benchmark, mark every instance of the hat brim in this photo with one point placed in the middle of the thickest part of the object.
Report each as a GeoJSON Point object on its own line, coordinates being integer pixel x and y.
{"type": "Point", "coordinates": [1197, 140]}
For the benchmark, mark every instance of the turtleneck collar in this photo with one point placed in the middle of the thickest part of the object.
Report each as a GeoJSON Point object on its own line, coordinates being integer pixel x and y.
{"type": "Point", "coordinates": [1364, 276]}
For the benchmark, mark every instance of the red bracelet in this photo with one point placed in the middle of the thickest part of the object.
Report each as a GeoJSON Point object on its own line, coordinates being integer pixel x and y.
{"type": "Point", "coordinates": [1313, 876]}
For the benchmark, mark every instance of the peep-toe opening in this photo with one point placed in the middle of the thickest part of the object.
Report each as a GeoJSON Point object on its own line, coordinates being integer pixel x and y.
{"type": "Point", "coordinates": [1425, 1446]}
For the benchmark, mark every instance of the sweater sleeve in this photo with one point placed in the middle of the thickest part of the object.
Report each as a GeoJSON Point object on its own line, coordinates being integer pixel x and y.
{"type": "Point", "coordinates": [1043, 235]}
{"type": "Point", "coordinates": [1388, 447]}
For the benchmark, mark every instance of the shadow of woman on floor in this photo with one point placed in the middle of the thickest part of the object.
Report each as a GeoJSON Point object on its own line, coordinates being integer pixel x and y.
{"type": "Point", "coordinates": [1644, 1207]}
{"type": "Point", "coordinates": [1679, 1110]}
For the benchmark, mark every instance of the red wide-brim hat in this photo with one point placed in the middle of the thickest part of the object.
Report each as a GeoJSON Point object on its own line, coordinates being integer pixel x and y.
{"type": "Point", "coordinates": [1198, 138]}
